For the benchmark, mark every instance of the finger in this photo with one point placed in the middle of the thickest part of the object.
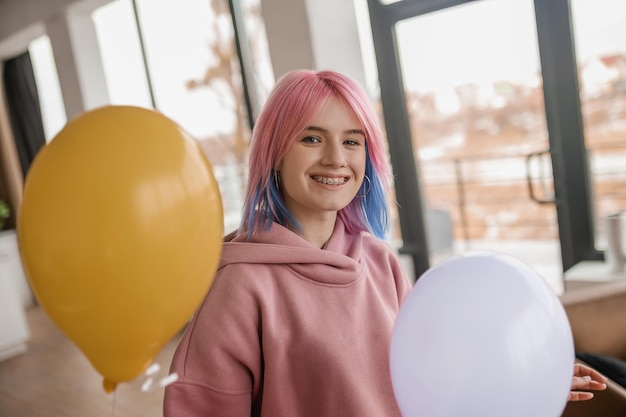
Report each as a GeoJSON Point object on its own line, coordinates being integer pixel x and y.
{"type": "Point", "coordinates": [579, 383]}
{"type": "Point", "coordinates": [597, 386]}
{"type": "Point", "coordinates": [582, 371]}
{"type": "Point", "coordinates": [597, 376]}
{"type": "Point", "coordinates": [594, 386]}
{"type": "Point", "coordinates": [579, 396]}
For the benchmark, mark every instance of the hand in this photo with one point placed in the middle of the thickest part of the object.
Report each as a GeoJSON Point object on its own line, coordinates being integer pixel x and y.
{"type": "Point", "coordinates": [585, 378]}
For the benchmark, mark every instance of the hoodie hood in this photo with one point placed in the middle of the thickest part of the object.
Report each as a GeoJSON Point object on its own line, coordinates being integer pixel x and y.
{"type": "Point", "coordinates": [339, 263]}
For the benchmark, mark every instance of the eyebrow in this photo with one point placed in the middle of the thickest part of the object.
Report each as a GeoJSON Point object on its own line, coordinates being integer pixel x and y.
{"type": "Point", "coordinates": [323, 130]}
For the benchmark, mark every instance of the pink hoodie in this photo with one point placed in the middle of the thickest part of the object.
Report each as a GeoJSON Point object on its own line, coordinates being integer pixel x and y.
{"type": "Point", "coordinates": [289, 329]}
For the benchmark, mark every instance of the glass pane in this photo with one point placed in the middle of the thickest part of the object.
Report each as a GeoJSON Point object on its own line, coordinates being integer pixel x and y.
{"type": "Point", "coordinates": [600, 37]}
{"type": "Point", "coordinates": [262, 66]}
{"type": "Point", "coordinates": [122, 59]}
{"type": "Point", "coordinates": [474, 93]}
{"type": "Point", "coordinates": [48, 88]}
{"type": "Point", "coordinates": [179, 60]}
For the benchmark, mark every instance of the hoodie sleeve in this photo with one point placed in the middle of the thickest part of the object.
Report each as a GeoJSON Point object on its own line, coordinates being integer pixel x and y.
{"type": "Point", "coordinates": [218, 360]}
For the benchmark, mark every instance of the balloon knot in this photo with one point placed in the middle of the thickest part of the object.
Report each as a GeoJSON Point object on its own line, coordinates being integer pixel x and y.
{"type": "Point", "coordinates": [109, 386]}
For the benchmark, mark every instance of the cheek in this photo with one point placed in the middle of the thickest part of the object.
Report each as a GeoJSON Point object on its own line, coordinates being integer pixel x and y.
{"type": "Point", "coordinates": [360, 166]}
{"type": "Point", "coordinates": [290, 176]}
{"type": "Point", "coordinates": [292, 188]}
{"type": "Point", "coordinates": [295, 161]}
{"type": "Point", "coordinates": [289, 168]}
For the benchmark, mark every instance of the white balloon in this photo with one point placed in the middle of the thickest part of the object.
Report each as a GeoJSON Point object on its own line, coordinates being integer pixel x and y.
{"type": "Point", "coordinates": [481, 335]}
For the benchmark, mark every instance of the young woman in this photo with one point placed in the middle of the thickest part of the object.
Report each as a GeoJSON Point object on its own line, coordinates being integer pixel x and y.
{"type": "Point", "coordinates": [299, 318]}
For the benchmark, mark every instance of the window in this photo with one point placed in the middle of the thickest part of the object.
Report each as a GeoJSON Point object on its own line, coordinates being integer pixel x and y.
{"type": "Point", "coordinates": [473, 87]}
{"type": "Point", "coordinates": [183, 56]}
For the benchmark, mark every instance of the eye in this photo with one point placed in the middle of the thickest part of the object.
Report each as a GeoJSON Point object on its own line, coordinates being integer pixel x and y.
{"type": "Point", "coordinates": [311, 139]}
{"type": "Point", "coordinates": [352, 142]}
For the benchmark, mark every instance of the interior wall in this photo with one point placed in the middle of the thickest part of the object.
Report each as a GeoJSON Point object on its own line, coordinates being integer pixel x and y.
{"type": "Point", "coordinates": [286, 25]}
{"type": "Point", "coordinates": [301, 34]}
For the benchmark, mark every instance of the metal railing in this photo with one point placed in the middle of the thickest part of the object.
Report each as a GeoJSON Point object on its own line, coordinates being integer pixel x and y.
{"type": "Point", "coordinates": [512, 195]}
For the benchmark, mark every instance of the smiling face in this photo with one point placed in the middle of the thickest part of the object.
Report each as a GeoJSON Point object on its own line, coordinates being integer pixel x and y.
{"type": "Point", "coordinates": [323, 170]}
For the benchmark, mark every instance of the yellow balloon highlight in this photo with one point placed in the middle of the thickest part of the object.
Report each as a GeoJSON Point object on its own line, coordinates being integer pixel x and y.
{"type": "Point", "coordinates": [120, 233]}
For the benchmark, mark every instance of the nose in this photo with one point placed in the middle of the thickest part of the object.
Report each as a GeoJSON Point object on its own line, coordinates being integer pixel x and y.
{"type": "Point", "coordinates": [334, 155]}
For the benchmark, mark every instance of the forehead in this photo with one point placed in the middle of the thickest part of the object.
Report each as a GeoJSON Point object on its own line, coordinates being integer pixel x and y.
{"type": "Point", "coordinates": [336, 113]}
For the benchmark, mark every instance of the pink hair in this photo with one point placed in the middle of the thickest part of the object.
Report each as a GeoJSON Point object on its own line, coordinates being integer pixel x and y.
{"type": "Point", "coordinates": [295, 100]}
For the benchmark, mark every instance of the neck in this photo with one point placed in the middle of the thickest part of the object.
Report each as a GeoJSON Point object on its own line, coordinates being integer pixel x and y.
{"type": "Point", "coordinates": [317, 231]}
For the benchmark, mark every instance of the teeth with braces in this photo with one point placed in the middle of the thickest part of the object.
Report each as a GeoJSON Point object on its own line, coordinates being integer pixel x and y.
{"type": "Point", "coordinates": [330, 181]}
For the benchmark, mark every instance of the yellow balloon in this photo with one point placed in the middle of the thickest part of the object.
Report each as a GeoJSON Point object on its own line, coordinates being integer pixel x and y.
{"type": "Point", "coordinates": [120, 233]}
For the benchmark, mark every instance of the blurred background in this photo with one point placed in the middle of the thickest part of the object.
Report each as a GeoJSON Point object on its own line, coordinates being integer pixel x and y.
{"type": "Point", "coordinates": [506, 119]}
